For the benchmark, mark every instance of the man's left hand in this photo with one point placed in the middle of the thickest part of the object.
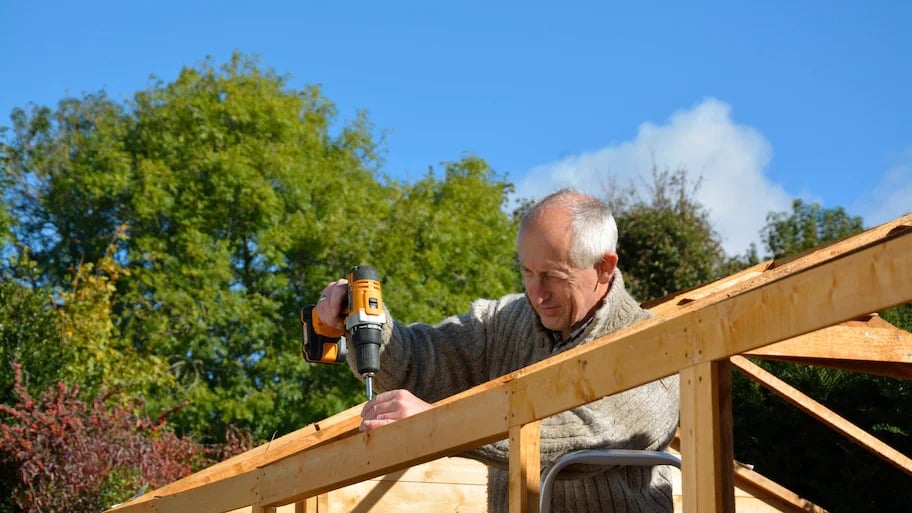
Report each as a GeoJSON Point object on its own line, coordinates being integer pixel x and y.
{"type": "Point", "coordinates": [390, 406]}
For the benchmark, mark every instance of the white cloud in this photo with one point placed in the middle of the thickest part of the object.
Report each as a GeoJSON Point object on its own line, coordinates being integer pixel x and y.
{"type": "Point", "coordinates": [891, 197]}
{"type": "Point", "coordinates": [729, 159]}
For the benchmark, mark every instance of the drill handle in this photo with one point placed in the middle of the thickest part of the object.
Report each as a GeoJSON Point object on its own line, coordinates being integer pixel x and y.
{"type": "Point", "coordinates": [321, 342]}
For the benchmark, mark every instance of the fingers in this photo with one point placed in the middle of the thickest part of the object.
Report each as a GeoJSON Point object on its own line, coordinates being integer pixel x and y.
{"type": "Point", "coordinates": [368, 425]}
{"type": "Point", "coordinates": [331, 303]}
{"type": "Point", "coordinates": [390, 406]}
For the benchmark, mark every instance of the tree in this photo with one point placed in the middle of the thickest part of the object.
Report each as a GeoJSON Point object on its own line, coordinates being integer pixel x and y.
{"type": "Point", "coordinates": [807, 227]}
{"type": "Point", "coordinates": [666, 241]}
{"type": "Point", "coordinates": [230, 187]}
{"type": "Point", "coordinates": [96, 355]}
{"type": "Point", "coordinates": [447, 242]}
{"type": "Point", "coordinates": [68, 334]}
{"type": "Point", "coordinates": [240, 201]}
{"type": "Point", "coordinates": [27, 323]}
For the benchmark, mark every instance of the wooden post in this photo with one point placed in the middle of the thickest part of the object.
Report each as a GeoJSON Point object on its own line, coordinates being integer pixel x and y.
{"type": "Point", "coordinates": [525, 467]}
{"type": "Point", "coordinates": [707, 452]}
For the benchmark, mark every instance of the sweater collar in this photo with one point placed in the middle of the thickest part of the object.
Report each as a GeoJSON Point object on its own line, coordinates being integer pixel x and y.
{"type": "Point", "coordinates": [558, 343]}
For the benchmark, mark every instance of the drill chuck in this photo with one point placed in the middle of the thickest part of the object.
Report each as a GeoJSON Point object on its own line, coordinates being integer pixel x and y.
{"type": "Point", "coordinates": [365, 340]}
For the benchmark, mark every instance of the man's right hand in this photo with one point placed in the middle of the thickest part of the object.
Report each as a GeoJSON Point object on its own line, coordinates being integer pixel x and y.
{"type": "Point", "coordinates": [332, 302]}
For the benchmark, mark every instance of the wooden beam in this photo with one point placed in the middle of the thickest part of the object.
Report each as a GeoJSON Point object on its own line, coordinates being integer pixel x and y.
{"type": "Point", "coordinates": [525, 468]}
{"type": "Point", "coordinates": [870, 345]}
{"type": "Point", "coordinates": [712, 328]}
{"type": "Point", "coordinates": [748, 478]}
{"type": "Point", "coordinates": [886, 369]}
{"type": "Point", "coordinates": [707, 452]}
{"type": "Point", "coordinates": [823, 414]}
{"type": "Point", "coordinates": [872, 340]}
{"type": "Point", "coordinates": [765, 272]}
{"type": "Point", "coordinates": [324, 431]}
{"type": "Point", "coordinates": [684, 297]}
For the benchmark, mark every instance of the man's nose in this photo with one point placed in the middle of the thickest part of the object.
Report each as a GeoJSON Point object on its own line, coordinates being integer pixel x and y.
{"type": "Point", "coordinates": [535, 291]}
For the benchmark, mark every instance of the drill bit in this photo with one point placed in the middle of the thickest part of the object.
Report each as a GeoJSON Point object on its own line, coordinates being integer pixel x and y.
{"type": "Point", "coordinates": [369, 384]}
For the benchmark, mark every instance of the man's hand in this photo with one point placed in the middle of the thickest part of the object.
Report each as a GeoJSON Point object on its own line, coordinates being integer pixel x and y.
{"type": "Point", "coordinates": [390, 406]}
{"type": "Point", "coordinates": [332, 302]}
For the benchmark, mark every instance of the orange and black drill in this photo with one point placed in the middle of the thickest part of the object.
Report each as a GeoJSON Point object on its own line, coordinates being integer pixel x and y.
{"type": "Point", "coordinates": [364, 319]}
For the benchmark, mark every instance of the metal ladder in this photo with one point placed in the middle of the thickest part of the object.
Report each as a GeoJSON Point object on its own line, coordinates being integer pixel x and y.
{"type": "Point", "coordinates": [615, 457]}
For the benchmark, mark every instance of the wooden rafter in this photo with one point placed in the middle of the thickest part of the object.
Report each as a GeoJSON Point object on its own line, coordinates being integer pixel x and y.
{"type": "Point", "coordinates": [869, 344]}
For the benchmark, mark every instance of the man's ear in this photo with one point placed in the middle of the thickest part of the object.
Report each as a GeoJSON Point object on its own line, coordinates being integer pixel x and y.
{"type": "Point", "coordinates": [606, 267]}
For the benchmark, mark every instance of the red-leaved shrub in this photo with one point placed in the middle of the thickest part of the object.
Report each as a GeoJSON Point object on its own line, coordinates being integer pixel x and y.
{"type": "Point", "coordinates": [59, 453]}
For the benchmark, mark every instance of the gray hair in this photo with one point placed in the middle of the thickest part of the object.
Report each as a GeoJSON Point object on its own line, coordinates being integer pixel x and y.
{"type": "Point", "coordinates": [594, 231]}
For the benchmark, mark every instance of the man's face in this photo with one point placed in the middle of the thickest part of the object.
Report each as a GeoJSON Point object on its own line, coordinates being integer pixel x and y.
{"type": "Point", "coordinates": [561, 293]}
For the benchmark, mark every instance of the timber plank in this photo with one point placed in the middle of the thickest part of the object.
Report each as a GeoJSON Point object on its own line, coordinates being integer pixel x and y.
{"type": "Point", "coordinates": [870, 341]}
{"type": "Point", "coordinates": [870, 345]}
{"type": "Point", "coordinates": [770, 270]}
{"type": "Point", "coordinates": [319, 432]}
{"type": "Point", "coordinates": [407, 497]}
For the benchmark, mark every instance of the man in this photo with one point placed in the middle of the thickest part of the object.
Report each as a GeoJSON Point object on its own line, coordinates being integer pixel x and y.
{"type": "Point", "coordinates": [574, 293]}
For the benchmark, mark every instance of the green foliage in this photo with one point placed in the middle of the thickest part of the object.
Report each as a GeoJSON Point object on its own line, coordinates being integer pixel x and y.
{"type": "Point", "coordinates": [66, 171]}
{"type": "Point", "coordinates": [806, 227]}
{"type": "Point", "coordinates": [29, 335]}
{"type": "Point", "coordinates": [241, 200]}
{"type": "Point", "coordinates": [901, 316]}
{"type": "Point", "coordinates": [6, 222]}
{"type": "Point", "coordinates": [239, 205]}
{"type": "Point", "coordinates": [68, 335]}
{"type": "Point", "coordinates": [98, 356]}
{"type": "Point", "coordinates": [666, 242]}
{"type": "Point", "coordinates": [446, 243]}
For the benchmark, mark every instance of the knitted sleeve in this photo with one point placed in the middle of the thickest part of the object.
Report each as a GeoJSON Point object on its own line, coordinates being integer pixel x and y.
{"type": "Point", "coordinates": [436, 361]}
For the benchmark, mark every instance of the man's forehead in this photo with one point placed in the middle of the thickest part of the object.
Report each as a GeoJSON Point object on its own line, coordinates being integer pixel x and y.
{"type": "Point", "coordinates": [543, 263]}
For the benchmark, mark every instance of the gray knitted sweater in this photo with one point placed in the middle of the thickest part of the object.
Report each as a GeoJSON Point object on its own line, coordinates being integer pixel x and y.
{"type": "Point", "coordinates": [497, 337]}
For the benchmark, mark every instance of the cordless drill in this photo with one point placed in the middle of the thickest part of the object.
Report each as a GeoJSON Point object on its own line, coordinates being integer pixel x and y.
{"type": "Point", "coordinates": [364, 319]}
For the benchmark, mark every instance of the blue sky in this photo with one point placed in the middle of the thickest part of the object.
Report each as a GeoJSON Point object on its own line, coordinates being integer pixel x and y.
{"type": "Point", "coordinates": [764, 101]}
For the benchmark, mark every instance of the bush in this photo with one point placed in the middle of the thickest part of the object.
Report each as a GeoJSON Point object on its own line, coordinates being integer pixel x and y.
{"type": "Point", "coordinates": [59, 453]}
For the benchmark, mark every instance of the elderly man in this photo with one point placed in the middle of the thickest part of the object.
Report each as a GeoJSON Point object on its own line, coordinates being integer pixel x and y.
{"type": "Point", "coordinates": [574, 293]}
